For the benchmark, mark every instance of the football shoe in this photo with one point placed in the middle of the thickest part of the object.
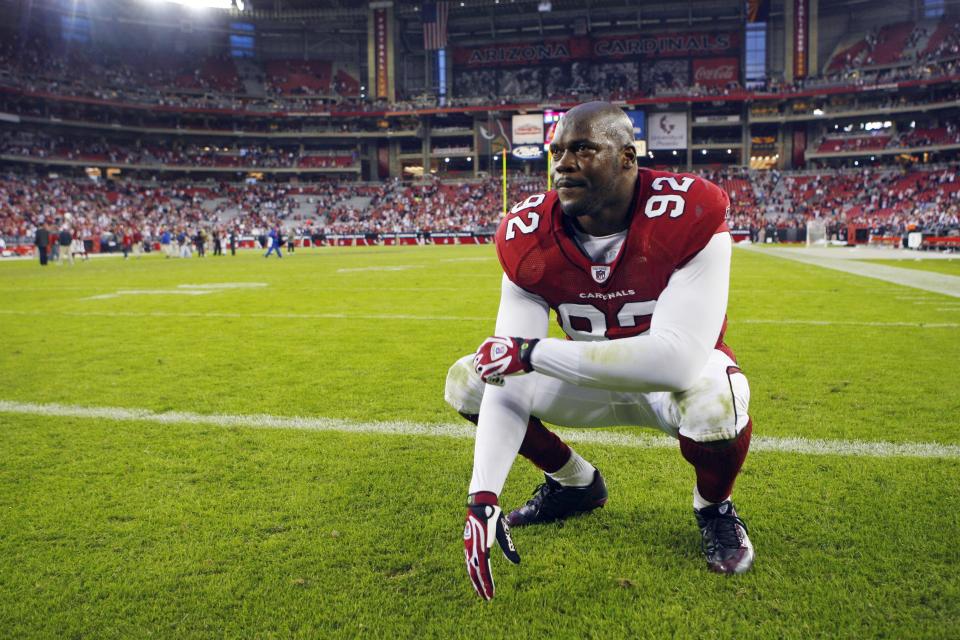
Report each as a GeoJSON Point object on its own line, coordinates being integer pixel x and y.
{"type": "Point", "coordinates": [724, 538]}
{"type": "Point", "coordinates": [552, 501]}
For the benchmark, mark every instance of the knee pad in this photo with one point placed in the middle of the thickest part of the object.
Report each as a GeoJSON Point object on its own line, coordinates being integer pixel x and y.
{"type": "Point", "coordinates": [716, 407]}
{"type": "Point", "coordinates": [464, 388]}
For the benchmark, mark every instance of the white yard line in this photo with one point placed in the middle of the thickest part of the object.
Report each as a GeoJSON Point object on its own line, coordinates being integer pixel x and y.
{"type": "Point", "coordinates": [847, 323]}
{"type": "Point", "coordinates": [857, 448]}
{"type": "Point", "coordinates": [151, 292]}
{"type": "Point", "coordinates": [219, 314]}
{"type": "Point", "coordinates": [848, 263]}
{"type": "Point", "coordinates": [418, 318]}
{"type": "Point", "coordinates": [220, 286]}
{"type": "Point", "coordinates": [399, 267]}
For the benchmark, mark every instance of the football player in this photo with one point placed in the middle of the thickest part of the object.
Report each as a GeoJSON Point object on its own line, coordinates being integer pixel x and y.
{"type": "Point", "coordinates": [635, 263]}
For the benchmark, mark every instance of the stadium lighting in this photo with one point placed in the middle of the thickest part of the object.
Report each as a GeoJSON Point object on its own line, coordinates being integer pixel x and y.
{"type": "Point", "coordinates": [729, 151]}
{"type": "Point", "coordinates": [205, 4]}
{"type": "Point", "coordinates": [496, 157]}
{"type": "Point", "coordinates": [469, 158]}
{"type": "Point", "coordinates": [818, 112]}
{"type": "Point", "coordinates": [703, 152]}
{"type": "Point", "coordinates": [446, 159]}
{"type": "Point", "coordinates": [674, 152]}
{"type": "Point", "coordinates": [856, 163]}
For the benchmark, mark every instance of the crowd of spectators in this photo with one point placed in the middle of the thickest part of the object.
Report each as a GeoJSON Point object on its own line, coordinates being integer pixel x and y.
{"type": "Point", "coordinates": [895, 202]}
{"type": "Point", "coordinates": [34, 144]}
{"type": "Point", "coordinates": [949, 134]}
{"type": "Point", "coordinates": [317, 86]}
{"type": "Point", "coordinates": [916, 43]}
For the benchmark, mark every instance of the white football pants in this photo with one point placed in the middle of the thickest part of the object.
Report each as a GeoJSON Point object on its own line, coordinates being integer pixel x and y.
{"type": "Point", "coordinates": [714, 408]}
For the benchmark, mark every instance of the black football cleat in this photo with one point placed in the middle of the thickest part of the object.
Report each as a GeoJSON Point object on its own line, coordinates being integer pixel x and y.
{"type": "Point", "coordinates": [552, 501]}
{"type": "Point", "coordinates": [724, 539]}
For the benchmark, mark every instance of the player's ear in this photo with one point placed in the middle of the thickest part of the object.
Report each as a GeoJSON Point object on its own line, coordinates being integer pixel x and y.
{"type": "Point", "coordinates": [628, 156]}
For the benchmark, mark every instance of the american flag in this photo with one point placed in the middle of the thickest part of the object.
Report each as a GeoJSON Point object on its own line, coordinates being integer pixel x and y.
{"type": "Point", "coordinates": [434, 18]}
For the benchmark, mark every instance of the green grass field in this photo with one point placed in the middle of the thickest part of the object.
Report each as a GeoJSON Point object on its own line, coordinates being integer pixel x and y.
{"type": "Point", "coordinates": [135, 528]}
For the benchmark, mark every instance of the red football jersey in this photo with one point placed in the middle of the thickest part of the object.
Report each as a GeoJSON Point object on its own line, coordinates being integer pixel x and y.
{"type": "Point", "coordinates": [674, 217]}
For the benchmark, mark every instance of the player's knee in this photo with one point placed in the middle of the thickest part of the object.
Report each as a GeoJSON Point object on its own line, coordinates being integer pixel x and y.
{"type": "Point", "coordinates": [716, 407]}
{"type": "Point", "coordinates": [464, 388]}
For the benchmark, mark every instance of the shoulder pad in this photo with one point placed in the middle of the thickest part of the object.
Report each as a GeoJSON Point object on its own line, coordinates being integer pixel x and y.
{"type": "Point", "coordinates": [520, 238]}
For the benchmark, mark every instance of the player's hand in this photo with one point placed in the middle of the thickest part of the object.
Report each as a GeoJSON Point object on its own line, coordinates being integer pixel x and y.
{"type": "Point", "coordinates": [485, 523]}
{"type": "Point", "coordinates": [499, 357]}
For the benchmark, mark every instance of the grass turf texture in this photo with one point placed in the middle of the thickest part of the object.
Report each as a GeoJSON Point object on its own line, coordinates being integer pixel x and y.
{"type": "Point", "coordinates": [133, 529]}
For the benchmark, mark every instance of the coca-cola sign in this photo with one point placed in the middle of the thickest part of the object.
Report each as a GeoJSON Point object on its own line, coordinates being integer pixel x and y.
{"type": "Point", "coordinates": [716, 72]}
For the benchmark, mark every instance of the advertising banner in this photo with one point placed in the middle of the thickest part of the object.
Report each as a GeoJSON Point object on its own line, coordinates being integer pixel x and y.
{"type": "Point", "coordinates": [639, 120]}
{"type": "Point", "coordinates": [665, 75]}
{"type": "Point", "coordinates": [492, 135]}
{"type": "Point", "coordinates": [381, 53]}
{"type": "Point", "coordinates": [632, 47]}
{"type": "Point", "coordinates": [673, 45]}
{"type": "Point", "coordinates": [528, 129]}
{"type": "Point", "coordinates": [801, 21]}
{"type": "Point", "coordinates": [716, 72]}
{"type": "Point", "coordinates": [520, 84]}
{"type": "Point", "coordinates": [667, 130]}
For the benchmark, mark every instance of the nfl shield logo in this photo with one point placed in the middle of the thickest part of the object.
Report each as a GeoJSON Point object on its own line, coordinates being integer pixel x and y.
{"type": "Point", "coordinates": [600, 274]}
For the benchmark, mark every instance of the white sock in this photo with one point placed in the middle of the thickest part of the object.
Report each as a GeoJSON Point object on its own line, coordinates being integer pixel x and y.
{"type": "Point", "coordinates": [577, 472]}
{"type": "Point", "coordinates": [699, 502]}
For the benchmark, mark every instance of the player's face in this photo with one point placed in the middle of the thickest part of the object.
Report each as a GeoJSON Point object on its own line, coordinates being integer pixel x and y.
{"type": "Point", "coordinates": [585, 165]}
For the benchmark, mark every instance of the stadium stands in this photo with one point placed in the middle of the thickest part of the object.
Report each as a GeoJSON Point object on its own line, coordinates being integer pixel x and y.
{"type": "Point", "coordinates": [899, 43]}
{"type": "Point", "coordinates": [897, 202]}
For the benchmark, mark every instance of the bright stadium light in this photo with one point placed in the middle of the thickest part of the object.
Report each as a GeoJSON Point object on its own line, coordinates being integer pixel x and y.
{"type": "Point", "coordinates": [818, 112]}
{"type": "Point", "coordinates": [703, 152]}
{"type": "Point", "coordinates": [206, 4]}
{"type": "Point", "coordinates": [446, 159]}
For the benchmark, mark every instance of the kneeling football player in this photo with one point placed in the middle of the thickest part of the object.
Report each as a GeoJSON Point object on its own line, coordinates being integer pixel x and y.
{"type": "Point", "coordinates": [636, 264]}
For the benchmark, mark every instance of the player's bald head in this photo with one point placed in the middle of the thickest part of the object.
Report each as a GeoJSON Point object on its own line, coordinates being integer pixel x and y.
{"type": "Point", "coordinates": [604, 120]}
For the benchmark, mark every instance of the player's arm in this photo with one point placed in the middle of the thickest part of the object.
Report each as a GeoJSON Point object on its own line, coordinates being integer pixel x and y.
{"type": "Point", "coordinates": [504, 412]}
{"type": "Point", "coordinates": [683, 331]}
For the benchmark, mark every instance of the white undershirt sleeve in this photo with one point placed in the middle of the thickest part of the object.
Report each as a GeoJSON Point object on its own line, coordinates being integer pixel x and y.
{"type": "Point", "coordinates": [504, 411]}
{"type": "Point", "coordinates": [683, 331]}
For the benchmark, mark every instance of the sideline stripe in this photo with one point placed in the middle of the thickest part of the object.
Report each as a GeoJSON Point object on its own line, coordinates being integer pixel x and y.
{"type": "Point", "coordinates": [925, 280]}
{"type": "Point", "coordinates": [415, 318]}
{"type": "Point", "coordinates": [855, 448]}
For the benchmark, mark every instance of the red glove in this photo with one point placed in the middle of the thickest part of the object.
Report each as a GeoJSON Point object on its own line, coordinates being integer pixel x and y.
{"type": "Point", "coordinates": [485, 523]}
{"type": "Point", "coordinates": [500, 357]}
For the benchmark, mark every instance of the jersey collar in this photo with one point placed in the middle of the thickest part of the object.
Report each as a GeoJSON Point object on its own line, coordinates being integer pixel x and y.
{"type": "Point", "coordinates": [563, 232]}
